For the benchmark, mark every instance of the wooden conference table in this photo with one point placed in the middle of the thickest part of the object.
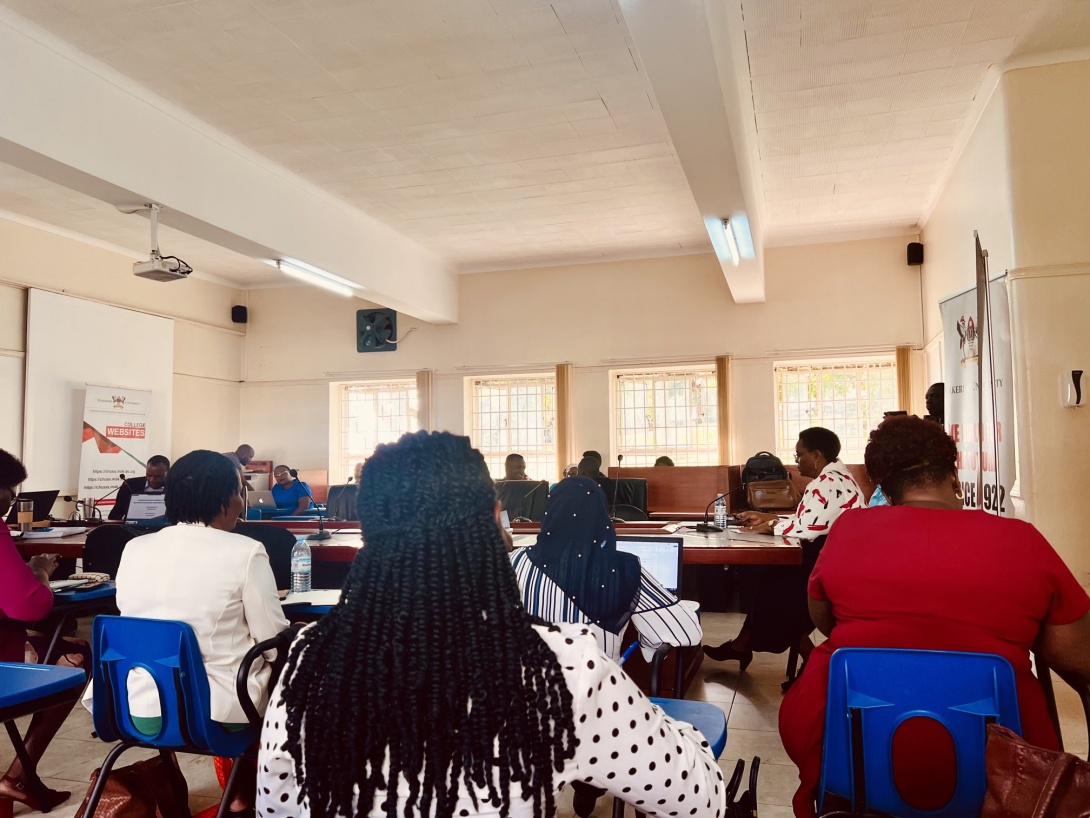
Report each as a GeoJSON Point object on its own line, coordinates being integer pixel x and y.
{"type": "Point", "coordinates": [727, 548]}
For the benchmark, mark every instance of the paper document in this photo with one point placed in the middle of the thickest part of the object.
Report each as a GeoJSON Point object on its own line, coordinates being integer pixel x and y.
{"type": "Point", "coordinates": [53, 533]}
{"type": "Point", "coordinates": [325, 596]}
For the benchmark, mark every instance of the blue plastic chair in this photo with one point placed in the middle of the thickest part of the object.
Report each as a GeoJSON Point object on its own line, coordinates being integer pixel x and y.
{"type": "Point", "coordinates": [170, 653]}
{"type": "Point", "coordinates": [873, 691]}
{"type": "Point", "coordinates": [709, 719]}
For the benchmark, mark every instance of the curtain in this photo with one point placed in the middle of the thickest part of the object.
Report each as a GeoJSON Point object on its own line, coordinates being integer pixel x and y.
{"type": "Point", "coordinates": [425, 397]}
{"type": "Point", "coordinates": [564, 437]}
{"type": "Point", "coordinates": [904, 378]}
{"type": "Point", "coordinates": [722, 388]}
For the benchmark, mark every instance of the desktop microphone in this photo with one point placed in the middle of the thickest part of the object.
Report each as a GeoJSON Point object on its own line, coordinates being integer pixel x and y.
{"type": "Point", "coordinates": [705, 527]}
{"type": "Point", "coordinates": [321, 533]}
{"type": "Point", "coordinates": [528, 496]}
{"type": "Point", "coordinates": [616, 486]}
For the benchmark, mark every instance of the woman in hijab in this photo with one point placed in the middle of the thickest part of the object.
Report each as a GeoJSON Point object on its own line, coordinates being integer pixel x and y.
{"type": "Point", "coordinates": [574, 573]}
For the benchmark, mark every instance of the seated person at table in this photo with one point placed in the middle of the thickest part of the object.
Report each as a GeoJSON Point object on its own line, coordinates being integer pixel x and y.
{"type": "Point", "coordinates": [153, 482]}
{"type": "Point", "coordinates": [597, 458]}
{"type": "Point", "coordinates": [291, 495]}
{"type": "Point", "coordinates": [25, 597]}
{"type": "Point", "coordinates": [220, 583]}
{"type": "Point", "coordinates": [664, 461]}
{"type": "Point", "coordinates": [430, 691]}
{"type": "Point", "coordinates": [925, 574]}
{"type": "Point", "coordinates": [778, 617]}
{"type": "Point", "coordinates": [514, 467]}
{"type": "Point", "coordinates": [570, 470]}
{"type": "Point", "coordinates": [574, 573]}
{"type": "Point", "coordinates": [591, 468]}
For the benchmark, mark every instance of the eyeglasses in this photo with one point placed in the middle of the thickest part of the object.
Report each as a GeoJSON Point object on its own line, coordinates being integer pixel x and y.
{"type": "Point", "coordinates": [798, 456]}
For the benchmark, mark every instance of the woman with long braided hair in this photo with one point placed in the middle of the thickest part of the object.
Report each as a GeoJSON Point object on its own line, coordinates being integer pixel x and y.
{"type": "Point", "coordinates": [429, 691]}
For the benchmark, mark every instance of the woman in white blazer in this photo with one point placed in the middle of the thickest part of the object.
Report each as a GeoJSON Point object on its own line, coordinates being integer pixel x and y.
{"type": "Point", "coordinates": [219, 583]}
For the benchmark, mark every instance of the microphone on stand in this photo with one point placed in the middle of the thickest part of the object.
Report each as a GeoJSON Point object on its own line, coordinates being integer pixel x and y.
{"type": "Point", "coordinates": [705, 527]}
{"type": "Point", "coordinates": [616, 486]}
{"type": "Point", "coordinates": [321, 533]}
{"type": "Point", "coordinates": [522, 518]}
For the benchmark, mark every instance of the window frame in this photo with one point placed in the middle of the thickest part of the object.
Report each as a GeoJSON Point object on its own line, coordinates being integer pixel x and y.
{"type": "Point", "coordinates": [338, 391]}
{"type": "Point", "coordinates": [537, 460]}
{"type": "Point", "coordinates": [707, 368]}
{"type": "Point", "coordinates": [853, 443]}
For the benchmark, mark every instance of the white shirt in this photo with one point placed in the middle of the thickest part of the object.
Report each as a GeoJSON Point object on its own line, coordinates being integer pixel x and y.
{"type": "Point", "coordinates": [827, 496]}
{"type": "Point", "coordinates": [664, 767]}
{"type": "Point", "coordinates": [659, 616]}
{"type": "Point", "coordinates": [220, 584]}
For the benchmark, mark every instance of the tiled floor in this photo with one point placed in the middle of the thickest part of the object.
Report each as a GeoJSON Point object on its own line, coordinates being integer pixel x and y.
{"type": "Point", "coordinates": [750, 700]}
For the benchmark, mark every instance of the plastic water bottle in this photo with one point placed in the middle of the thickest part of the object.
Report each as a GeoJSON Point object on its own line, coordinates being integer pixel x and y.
{"type": "Point", "coordinates": [721, 513]}
{"type": "Point", "coordinates": [300, 567]}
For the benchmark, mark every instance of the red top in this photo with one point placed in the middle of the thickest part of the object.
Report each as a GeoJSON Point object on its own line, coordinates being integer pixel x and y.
{"type": "Point", "coordinates": [935, 579]}
{"type": "Point", "coordinates": [23, 598]}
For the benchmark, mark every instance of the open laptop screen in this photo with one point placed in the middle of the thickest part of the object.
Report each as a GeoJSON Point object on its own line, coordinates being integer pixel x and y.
{"type": "Point", "coordinates": [43, 504]}
{"type": "Point", "coordinates": [144, 507]}
{"type": "Point", "coordinates": [659, 556]}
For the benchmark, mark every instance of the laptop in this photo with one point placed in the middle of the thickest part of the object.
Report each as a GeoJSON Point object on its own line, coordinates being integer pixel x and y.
{"type": "Point", "coordinates": [659, 556]}
{"type": "Point", "coordinates": [147, 510]}
{"type": "Point", "coordinates": [43, 504]}
{"type": "Point", "coordinates": [260, 499]}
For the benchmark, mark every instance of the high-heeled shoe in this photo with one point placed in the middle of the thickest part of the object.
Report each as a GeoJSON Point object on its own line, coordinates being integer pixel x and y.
{"type": "Point", "coordinates": [728, 653]}
{"type": "Point", "coordinates": [12, 790]}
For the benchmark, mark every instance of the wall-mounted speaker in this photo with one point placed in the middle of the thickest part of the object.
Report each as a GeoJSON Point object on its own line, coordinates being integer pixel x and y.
{"type": "Point", "coordinates": [239, 314]}
{"type": "Point", "coordinates": [915, 254]}
{"type": "Point", "coordinates": [376, 330]}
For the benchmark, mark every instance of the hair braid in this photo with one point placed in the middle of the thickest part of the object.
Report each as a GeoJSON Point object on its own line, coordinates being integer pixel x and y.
{"type": "Point", "coordinates": [428, 665]}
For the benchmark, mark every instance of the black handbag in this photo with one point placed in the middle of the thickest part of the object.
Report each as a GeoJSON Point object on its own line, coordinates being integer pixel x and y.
{"type": "Point", "coordinates": [746, 804]}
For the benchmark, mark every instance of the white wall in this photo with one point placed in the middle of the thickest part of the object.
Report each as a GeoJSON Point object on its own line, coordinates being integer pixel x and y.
{"type": "Point", "coordinates": [977, 196]}
{"type": "Point", "coordinates": [208, 347]}
{"type": "Point", "coordinates": [1022, 182]}
{"type": "Point", "coordinates": [1050, 291]}
{"type": "Point", "coordinates": [612, 315]}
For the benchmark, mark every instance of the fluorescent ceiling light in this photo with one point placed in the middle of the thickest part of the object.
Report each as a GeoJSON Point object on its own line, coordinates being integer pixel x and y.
{"type": "Point", "coordinates": [304, 272]}
{"type": "Point", "coordinates": [721, 232]}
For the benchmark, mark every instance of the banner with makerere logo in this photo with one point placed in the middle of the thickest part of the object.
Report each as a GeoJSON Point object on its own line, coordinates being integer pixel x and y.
{"type": "Point", "coordinates": [986, 450]}
{"type": "Point", "coordinates": [115, 439]}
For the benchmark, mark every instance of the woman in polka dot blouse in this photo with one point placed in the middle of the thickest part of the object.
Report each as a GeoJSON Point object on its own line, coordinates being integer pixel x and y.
{"type": "Point", "coordinates": [430, 691]}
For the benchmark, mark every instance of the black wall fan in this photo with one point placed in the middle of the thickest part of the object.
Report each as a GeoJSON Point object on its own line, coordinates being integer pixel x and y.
{"type": "Point", "coordinates": [376, 330]}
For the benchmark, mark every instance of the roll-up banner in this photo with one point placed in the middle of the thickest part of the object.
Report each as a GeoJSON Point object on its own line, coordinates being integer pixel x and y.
{"type": "Point", "coordinates": [115, 439]}
{"type": "Point", "coordinates": [981, 421]}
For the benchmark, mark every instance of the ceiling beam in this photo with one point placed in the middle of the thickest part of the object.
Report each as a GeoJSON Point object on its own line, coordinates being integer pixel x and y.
{"type": "Point", "coordinates": [692, 89]}
{"type": "Point", "coordinates": [69, 119]}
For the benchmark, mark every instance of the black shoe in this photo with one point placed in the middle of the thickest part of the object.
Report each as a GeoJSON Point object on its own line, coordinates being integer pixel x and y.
{"type": "Point", "coordinates": [728, 653]}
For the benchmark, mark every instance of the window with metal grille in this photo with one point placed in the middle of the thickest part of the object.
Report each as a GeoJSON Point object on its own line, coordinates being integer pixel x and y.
{"type": "Point", "coordinates": [372, 413]}
{"type": "Point", "coordinates": [516, 415]}
{"type": "Point", "coordinates": [672, 412]}
{"type": "Point", "coordinates": [846, 396]}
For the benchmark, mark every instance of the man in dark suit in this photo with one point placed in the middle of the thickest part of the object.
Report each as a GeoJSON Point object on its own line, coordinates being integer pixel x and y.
{"type": "Point", "coordinates": [153, 482]}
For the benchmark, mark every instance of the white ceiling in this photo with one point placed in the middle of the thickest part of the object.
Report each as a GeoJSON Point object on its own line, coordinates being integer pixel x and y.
{"type": "Point", "coordinates": [502, 134]}
{"type": "Point", "coordinates": [859, 104]}
{"type": "Point", "coordinates": [515, 133]}
{"type": "Point", "coordinates": [36, 200]}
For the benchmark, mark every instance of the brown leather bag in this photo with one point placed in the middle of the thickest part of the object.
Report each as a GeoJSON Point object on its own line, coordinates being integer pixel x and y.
{"type": "Point", "coordinates": [140, 790]}
{"type": "Point", "coordinates": [1029, 782]}
{"type": "Point", "coordinates": [772, 495]}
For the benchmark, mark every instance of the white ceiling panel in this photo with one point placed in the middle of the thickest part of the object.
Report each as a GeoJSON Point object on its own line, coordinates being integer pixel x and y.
{"type": "Point", "coordinates": [511, 133]}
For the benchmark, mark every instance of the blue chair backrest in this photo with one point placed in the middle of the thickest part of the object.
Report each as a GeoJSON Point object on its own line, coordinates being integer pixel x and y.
{"type": "Point", "coordinates": [169, 652]}
{"type": "Point", "coordinates": [874, 691]}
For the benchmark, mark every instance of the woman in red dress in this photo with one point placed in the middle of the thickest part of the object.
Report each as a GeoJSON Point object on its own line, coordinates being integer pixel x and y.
{"type": "Point", "coordinates": [923, 573]}
{"type": "Point", "coordinates": [24, 597]}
